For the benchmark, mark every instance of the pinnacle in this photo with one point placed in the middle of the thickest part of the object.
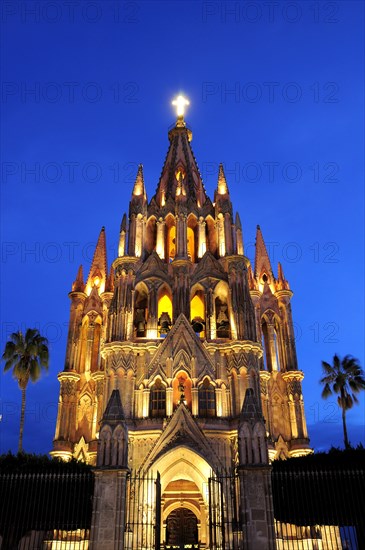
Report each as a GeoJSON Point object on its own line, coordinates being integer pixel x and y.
{"type": "Point", "coordinates": [78, 284]}
{"type": "Point", "coordinates": [250, 409]}
{"type": "Point", "coordinates": [139, 186]}
{"type": "Point", "coordinates": [262, 260]}
{"type": "Point", "coordinates": [98, 269]}
{"type": "Point", "coordinates": [123, 225]}
{"type": "Point", "coordinates": [222, 187]}
{"type": "Point", "coordinates": [114, 410]}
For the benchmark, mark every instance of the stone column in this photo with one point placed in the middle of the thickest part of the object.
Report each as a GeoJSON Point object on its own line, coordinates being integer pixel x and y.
{"type": "Point", "coordinates": [202, 240]}
{"type": "Point", "coordinates": [257, 517]}
{"type": "Point", "coordinates": [257, 511]}
{"type": "Point", "coordinates": [160, 238]}
{"type": "Point", "coordinates": [109, 509]}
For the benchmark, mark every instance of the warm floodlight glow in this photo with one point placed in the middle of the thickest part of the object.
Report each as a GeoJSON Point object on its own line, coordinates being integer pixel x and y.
{"type": "Point", "coordinates": [180, 103]}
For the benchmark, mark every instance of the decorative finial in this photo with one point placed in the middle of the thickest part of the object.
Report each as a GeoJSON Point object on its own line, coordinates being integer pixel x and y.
{"type": "Point", "coordinates": [180, 103]}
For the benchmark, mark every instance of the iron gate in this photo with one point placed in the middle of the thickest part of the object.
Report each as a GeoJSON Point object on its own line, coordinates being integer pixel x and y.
{"type": "Point", "coordinates": [224, 513]}
{"type": "Point", "coordinates": [143, 521]}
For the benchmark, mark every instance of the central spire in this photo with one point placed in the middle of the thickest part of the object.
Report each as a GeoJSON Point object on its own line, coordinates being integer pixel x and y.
{"type": "Point", "coordinates": [180, 169]}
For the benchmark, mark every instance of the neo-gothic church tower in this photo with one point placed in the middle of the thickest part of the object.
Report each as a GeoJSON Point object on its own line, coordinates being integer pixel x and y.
{"type": "Point", "coordinates": [193, 344]}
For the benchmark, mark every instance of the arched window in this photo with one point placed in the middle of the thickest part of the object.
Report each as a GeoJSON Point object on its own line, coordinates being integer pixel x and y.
{"type": "Point", "coordinates": [158, 399]}
{"type": "Point", "coordinates": [206, 399]}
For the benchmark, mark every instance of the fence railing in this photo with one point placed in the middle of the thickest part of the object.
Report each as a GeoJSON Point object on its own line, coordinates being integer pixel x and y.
{"type": "Point", "coordinates": [46, 511]}
{"type": "Point", "coordinates": [314, 510]}
{"type": "Point", "coordinates": [319, 509]}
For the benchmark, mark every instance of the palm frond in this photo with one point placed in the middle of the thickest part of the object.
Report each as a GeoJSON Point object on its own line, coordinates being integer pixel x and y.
{"type": "Point", "coordinates": [326, 392]}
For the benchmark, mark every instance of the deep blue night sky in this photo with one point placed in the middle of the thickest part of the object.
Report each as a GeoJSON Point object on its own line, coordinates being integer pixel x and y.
{"type": "Point", "coordinates": [276, 94]}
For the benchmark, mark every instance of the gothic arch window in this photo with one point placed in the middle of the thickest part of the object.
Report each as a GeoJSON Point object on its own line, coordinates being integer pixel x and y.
{"type": "Point", "coordinates": [158, 399]}
{"type": "Point", "coordinates": [206, 394]}
{"type": "Point", "coordinates": [140, 311]}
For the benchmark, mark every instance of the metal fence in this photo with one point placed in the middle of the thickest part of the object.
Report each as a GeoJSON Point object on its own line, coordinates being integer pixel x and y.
{"type": "Point", "coordinates": [319, 509]}
{"type": "Point", "coordinates": [143, 519]}
{"type": "Point", "coordinates": [45, 511]}
{"type": "Point", "coordinates": [314, 510]}
{"type": "Point", "coordinates": [225, 531]}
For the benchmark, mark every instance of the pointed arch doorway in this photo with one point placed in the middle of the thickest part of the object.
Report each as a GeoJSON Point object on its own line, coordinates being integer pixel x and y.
{"type": "Point", "coordinates": [182, 528]}
{"type": "Point", "coordinates": [184, 497]}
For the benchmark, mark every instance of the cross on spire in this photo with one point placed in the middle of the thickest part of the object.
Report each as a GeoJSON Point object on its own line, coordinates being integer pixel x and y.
{"type": "Point", "coordinates": [180, 103]}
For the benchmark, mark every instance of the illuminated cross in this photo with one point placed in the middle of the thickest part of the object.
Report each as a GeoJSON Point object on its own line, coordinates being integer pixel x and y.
{"type": "Point", "coordinates": [180, 103]}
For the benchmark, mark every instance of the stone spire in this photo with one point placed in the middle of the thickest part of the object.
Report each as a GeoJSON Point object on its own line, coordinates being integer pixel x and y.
{"type": "Point", "coordinates": [282, 283]}
{"type": "Point", "coordinates": [180, 161]}
{"type": "Point", "coordinates": [222, 187]}
{"type": "Point", "coordinates": [123, 237]}
{"type": "Point", "coordinates": [139, 186]}
{"type": "Point", "coordinates": [250, 412]}
{"type": "Point", "coordinates": [114, 413]}
{"type": "Point", "coordinates": [138, 204]}
{"type": "Point", "coordinates": [262, 260]}
{"type": "Point", "coordinates": [98, 270]}
{"type": "Point", "coordinates": [78, 285]}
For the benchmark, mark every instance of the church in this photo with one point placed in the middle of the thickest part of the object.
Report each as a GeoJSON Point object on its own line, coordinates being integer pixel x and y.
{"type": "Point", "coordinates": [181, 368]}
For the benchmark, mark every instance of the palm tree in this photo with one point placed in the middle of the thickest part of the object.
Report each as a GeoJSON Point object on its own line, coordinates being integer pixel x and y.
{"type": "Point", "coordinates": [26, 355]}
{"type": "Point", "coordinates": [345, 378]}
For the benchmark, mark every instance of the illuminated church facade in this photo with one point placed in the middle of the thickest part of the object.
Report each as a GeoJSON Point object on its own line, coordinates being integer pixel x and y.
{"type": "Point", "coordinates": [181, 358]}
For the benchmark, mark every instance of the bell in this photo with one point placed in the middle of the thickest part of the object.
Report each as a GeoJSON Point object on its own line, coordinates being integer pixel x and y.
{"type": "Point", "coordinates": [197, 326]}
{"type": "Point", "coordinates": [165, 323]}
{"type": "Point", "coordinates": [165, 327]}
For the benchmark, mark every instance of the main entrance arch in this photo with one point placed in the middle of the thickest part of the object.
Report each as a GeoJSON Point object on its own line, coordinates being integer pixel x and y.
{"type": "Point", "coordinates": [184, 493]}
